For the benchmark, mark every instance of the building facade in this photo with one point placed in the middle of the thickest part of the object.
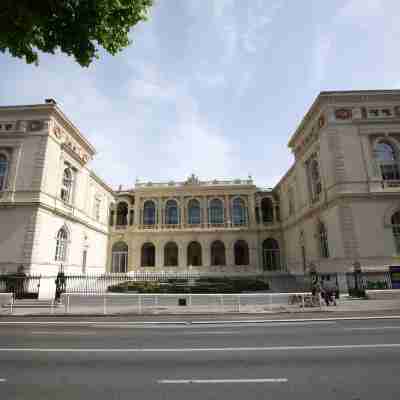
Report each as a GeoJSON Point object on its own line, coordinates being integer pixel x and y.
{"type": "Point", "coordinates": [53, 208]}
{"type": "Point", "coordinates": [338, 204]}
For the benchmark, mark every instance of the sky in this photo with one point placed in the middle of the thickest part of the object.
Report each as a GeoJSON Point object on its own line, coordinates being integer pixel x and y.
{"type": "Point", "coordinates": [214, 87]}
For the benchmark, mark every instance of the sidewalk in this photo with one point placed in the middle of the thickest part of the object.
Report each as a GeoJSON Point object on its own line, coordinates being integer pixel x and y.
{"type": "Point", "coordinates": [343, 308]}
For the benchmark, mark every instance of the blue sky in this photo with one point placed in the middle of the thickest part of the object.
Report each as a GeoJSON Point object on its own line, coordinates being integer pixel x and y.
{"type": "Point", "coordinates": [214, 87]}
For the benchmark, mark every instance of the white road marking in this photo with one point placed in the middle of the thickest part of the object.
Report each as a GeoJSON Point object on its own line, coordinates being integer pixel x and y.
{"type": "Point", "coordinates": [201, 349]}
{"type": "Point", "coordinates": [61, 333]}
{"type": "Point", "coordinates": [186, 381]}
{"type": "Point", "coordinates": [371, 328]}
{"type": "Point", "coordinates": [215, 333]}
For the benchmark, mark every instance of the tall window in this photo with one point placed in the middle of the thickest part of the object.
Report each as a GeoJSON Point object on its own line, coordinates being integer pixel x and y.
{"type": "Point", "coordinates": [148, 255]}
{"type": "Point", "coordinates": [149, 213]}
{"type": "Point", "coordinates": [96, 208]}
{"type": "Point", "coordinates": [171, 213]}
{"type": "Point", "coordinates": [171, 254]}
{"type": "Point", "coordinates": [314, 178]}
{"type": "Point", "coordinates": [271, 255]}
{"type": "Point", "coordinates": [3, 171]}
{"type": "Point", "coordinates": [238, 212]}
{"type": "Point", "coordinates": [194, 212]}
{"type": "Point", "coordinates": [194, 254]}
{"type": "Point", "coordinates": [241, 250]}
{"type": "Point", "coordinates": [216, 211]}
{"type": "Point", "coordinates": [218, 253]}
{"type": "Point", "coordinates": [119, 257]}
{"type": "Point", "coordinates": [122, 214]}
{"type": "Point", "coordinates": [291, 201]}
{"type": "Point", "coordinates": [323, 240]}
{"type": "Point", "coordinates": [387, 158]}
{"type": "Point", "coordinates": [267, 210]}
{"type": "Point", "coordinates": [396, 230]}
{"type": "Point", "coordinates": [61, 245]}
{"type": "Point", "coordinates": [66, 187]}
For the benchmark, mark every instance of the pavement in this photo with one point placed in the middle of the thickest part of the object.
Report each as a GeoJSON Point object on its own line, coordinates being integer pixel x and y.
{"type": "Point", "coordinates": [87, 306]}
{"type": "Point", "coordinates": [122, 358]}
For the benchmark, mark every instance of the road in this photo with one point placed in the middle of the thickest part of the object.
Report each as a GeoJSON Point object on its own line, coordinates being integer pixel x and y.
{"type": "Point", "coordinates": [106, 359]}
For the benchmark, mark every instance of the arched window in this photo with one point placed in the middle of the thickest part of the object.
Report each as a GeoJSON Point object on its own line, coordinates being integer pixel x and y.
{"type": "Point", "coordinates": [194, 254]}
{"type": "Point", "coordinates": [122, 214]}
{"type": "Point", "coordinates": [61, 245]}
{"type": "Point", "coordinates": [218, 253]}
{"type": "Point", "coordinates": [148, 255]}
{"type": "Point", "coordinates": [194, 217]}
{"type": "Point", "coordinates": [271, 255]}
{"type": "Point", "coordinates": [396, 230]}
{"type": "Point", "coordinates": [267, 210]}
{"type": "Point", "coordinates": [238, 212]}
{"type": "Point", "coordinates": [314, 178]}
{"type": "Point", "coordinates": [171, 254]}
{"type": "Point", "coordinates": [323, 240]}
{"type": "Point", "coordinates": [119, 257]}
{"type": "Point", "coordinates": [3, 171]}
{"type": "Point", "coordinates": [241, 251]}
{"type": "Point", "coordinates": [66, 187]}
{"type": "Point", "coordinates": [149, 213]}
{"type": "Point", "coordinates": [216, 212]}
{"type": "Point", "coordinates": [387, 158]}
{"type": "Point", "coordinates": [171, 213]}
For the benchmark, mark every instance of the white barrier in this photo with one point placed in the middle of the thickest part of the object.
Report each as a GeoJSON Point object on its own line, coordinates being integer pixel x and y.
{"type": "Point", "coordinates": [116, 303]}
{"type": "Point", "coordinates": [7, 299]}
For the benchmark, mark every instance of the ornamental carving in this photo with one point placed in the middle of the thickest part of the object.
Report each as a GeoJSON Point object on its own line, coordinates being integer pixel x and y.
{"type": "Point", "coordinates": [35, 126]}
{"type": "Point", "coordinates": [321, 121]}
{"type": "Point", "coordinates": [192, 180]}
{"type": "Point", "coordinates": [343, 113]}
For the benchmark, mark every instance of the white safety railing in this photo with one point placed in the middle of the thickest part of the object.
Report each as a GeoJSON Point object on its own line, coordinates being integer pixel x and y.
{"type": "Point", "coordinates": [6, 300]}
{"type": "Point", "coordinates": [112, 303]}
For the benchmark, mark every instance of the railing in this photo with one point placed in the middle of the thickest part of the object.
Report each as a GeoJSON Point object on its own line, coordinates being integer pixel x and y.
{"type": "Point", "coordinates": [194, 182]}
{"type": "Point", "coordinates": [6, 299]}
{"type": "Point", "coordinates": [188, 303]}
{"type": "Point", "coordinates": [22, 286]}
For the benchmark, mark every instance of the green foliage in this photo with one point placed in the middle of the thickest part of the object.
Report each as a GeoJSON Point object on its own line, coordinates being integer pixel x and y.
{"type": "Point", "coordinates": [357, 293]}
{"type": "Point", "coordinates": [377, 285]}
{"type": "Point", "coordinates": [201, 285]}
{"type": "Point", "coordinates": [76, 27]}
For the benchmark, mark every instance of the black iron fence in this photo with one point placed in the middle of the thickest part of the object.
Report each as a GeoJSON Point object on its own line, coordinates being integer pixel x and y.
{"type": "Point", "coordinates": [28, 286]}
{"type": "Point", "coordinates": [23, 286]}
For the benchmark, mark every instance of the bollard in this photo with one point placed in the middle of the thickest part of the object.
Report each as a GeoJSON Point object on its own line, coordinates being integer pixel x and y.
{"type": "Point", "coordinates": [105, 305]}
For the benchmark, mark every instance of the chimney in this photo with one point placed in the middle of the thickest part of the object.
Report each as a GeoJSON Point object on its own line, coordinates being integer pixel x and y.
{"type": "Point", "coordinates": [50, 101]}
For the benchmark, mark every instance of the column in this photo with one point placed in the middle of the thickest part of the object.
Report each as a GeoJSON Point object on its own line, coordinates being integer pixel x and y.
{"type": "Point", "coordinates": [251, 210]}
{"type": "Point", "coordinates": [182, 215]}
{"type": "Point", "coordinates": [159, 214]}
{"type": "Point", "coordinates": [136, 208]}
{"type": "Point", "coordinates": [228, 211]}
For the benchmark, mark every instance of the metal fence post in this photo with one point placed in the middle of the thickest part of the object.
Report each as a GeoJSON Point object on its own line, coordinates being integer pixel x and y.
{"type": "Point", "coordinates": [12, 303]}
{"type": "Point", "coordinates": [302, 301]}
{"type": "Point", "coordinates": [105, 305]}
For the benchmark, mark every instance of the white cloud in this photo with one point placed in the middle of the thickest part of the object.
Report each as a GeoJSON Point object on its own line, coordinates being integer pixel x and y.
{"type": "Point", "coordinates": [361, 10]}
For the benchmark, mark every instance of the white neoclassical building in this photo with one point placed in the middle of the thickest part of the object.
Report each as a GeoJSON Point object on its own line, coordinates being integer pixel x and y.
{"type": "Point", "coordinates": [338, 204]}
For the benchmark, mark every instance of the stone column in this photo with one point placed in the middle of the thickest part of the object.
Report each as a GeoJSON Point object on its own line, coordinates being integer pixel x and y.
{"type": "Point", "coordinates": [159, 214]}
{"type": "Point", "coordinates": [182, 215]}
{"type": "Point", "coordinates": [136, 208]}
{"type": "Point", "coordinates": [251, 210]}
{"type": "Point", "coordinates": [228, 211]}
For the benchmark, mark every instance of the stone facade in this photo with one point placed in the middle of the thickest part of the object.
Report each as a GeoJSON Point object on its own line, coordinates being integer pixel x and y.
{"type": "Point", "coordinates": [336, 205]}
{"type": "Point", "coordinates": [37, 144]}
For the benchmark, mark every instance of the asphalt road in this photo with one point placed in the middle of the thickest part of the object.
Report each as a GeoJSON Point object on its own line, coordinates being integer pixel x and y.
{"type": "Point", "coordinates": [105, 359]}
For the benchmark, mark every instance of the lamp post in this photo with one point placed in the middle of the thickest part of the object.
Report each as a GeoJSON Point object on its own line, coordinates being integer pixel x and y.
{"type": "Point", "coordinates": [314, 278]}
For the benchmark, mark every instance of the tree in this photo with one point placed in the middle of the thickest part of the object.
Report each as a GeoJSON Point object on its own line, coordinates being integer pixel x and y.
{"type": "Point", "coordinates": [76, 27]}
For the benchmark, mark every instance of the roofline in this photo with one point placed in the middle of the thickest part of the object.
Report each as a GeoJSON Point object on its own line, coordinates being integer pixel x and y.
{"type": "Point", "coordinates": [53, 108]}
{"type": "Point", "coordinates": [325, 94]}
{"type": "Point", "coordinates": [102, 183]}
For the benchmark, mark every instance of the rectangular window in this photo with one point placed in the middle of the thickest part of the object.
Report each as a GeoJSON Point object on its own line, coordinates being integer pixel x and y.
{"type": "Point", "coordinates": [97, 207]}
